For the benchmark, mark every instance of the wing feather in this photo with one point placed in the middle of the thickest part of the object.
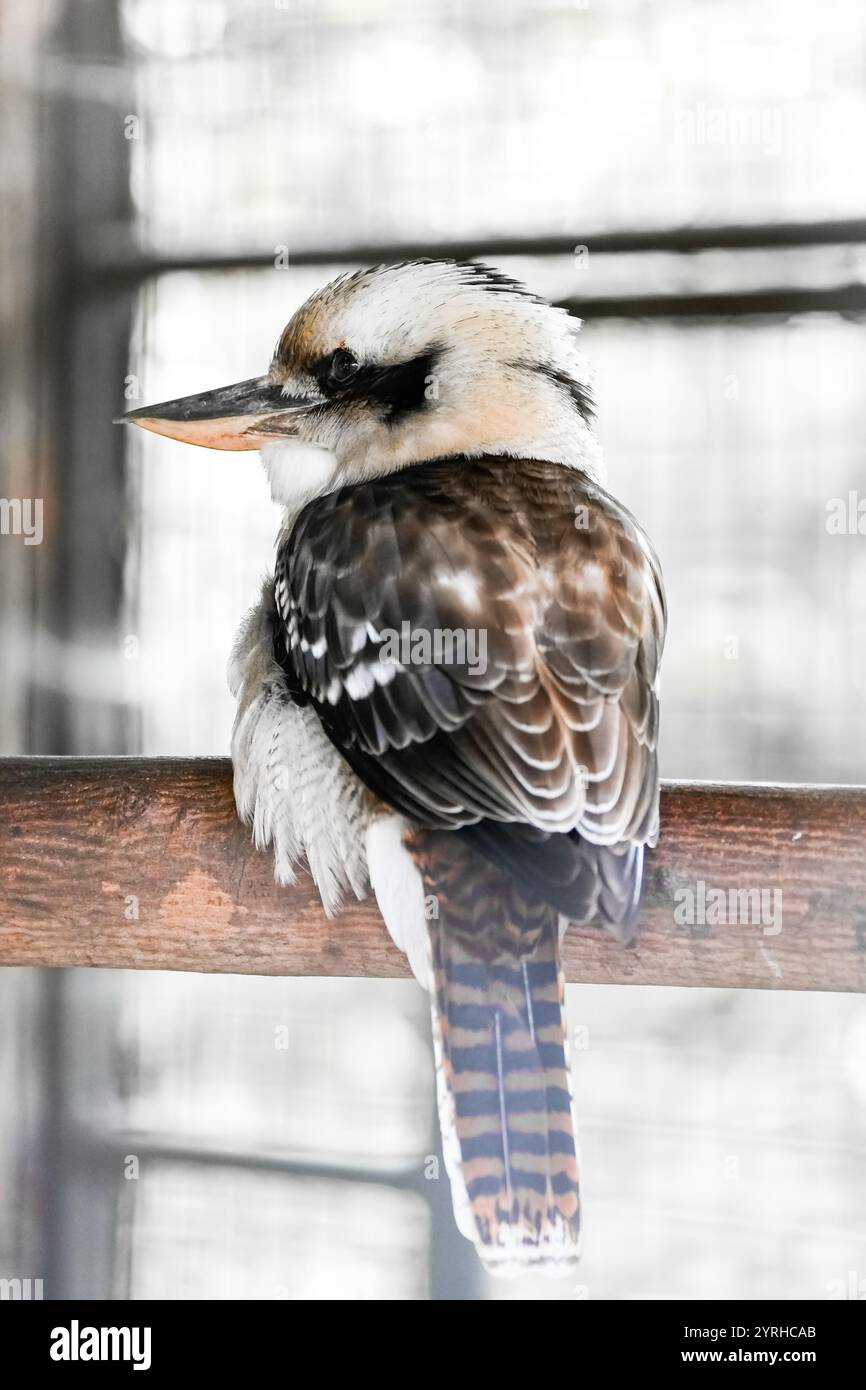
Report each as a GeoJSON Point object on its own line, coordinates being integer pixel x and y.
{"type": "Point", "coordinates": [556, 730]}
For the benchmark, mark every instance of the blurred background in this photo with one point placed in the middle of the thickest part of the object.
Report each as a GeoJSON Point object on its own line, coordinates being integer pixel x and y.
{"type": "Point", "coordinates": [176, 176]}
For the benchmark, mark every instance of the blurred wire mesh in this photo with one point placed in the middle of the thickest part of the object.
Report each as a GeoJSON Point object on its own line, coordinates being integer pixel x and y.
{"type": "Point", "coordinates": [178, 177]}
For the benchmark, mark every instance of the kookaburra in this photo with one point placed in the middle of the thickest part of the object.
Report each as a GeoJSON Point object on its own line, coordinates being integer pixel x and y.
{"type": "Point", "coordinates": [449, 689]}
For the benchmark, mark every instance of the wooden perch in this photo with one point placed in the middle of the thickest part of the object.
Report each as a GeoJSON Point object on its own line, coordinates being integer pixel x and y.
{"type": "Point", "coordinates": [142, 864]}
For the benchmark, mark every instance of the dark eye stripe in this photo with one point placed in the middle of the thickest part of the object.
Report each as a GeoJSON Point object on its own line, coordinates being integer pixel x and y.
{"type": "Point", "coordinates": [397, 390]}
{"type": "Point", "coordinates": [581, 395]}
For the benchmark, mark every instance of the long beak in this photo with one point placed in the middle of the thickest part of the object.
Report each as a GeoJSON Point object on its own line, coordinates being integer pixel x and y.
{"type": "Point", "coordinates": [242, 416]}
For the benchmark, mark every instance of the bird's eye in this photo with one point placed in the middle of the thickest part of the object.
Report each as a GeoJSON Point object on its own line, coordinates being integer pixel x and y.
{"type": "Point", "coordinates": [344, 365]}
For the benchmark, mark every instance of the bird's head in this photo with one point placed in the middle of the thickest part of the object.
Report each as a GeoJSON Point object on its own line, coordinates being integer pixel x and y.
{"type": "Point", "coordinates": [396, 365]}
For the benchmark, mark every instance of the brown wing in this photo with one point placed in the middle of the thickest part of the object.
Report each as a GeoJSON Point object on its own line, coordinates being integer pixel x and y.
{"type": "Point", "coordinates": [544, 721]}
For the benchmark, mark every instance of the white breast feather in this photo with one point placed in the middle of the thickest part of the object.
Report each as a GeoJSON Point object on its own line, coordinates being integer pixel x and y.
{"type": "Point", "coordinates": [289, 780]}
{"type": "Point", "coordinates": [399, 891]}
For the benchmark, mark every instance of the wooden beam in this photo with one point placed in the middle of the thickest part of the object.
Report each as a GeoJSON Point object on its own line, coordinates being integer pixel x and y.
{"type": "Point", "coordinates": [142, 864]}
{"type": "Point", "coordinates": [117, 256]}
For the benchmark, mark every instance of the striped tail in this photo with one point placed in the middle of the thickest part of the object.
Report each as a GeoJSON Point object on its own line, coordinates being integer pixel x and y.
{"type": "Point", "coordinates": [504, 1088]}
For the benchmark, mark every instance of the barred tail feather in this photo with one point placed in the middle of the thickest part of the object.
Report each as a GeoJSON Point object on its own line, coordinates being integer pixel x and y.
{"type": "Point", "coordinates": [504, 1091]}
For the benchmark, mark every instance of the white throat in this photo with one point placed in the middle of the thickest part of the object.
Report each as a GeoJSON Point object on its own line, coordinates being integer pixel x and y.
{"type": "Point", "coordinates": [298, 472]}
